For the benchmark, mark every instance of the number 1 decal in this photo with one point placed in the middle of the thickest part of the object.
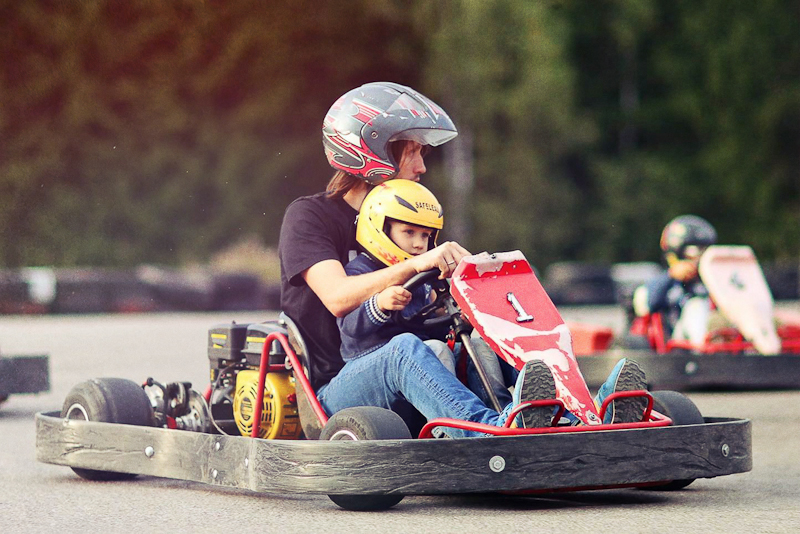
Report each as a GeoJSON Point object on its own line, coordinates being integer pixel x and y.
{"type": "Point", "coordinates": [522, 315]}
{"type": "Point", "coordinates": [736, 281]}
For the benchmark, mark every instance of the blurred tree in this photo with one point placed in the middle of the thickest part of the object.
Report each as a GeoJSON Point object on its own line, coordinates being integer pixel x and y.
{"type": "Point", "coordinates": [502, 74]}
{"type": "Point", "coordinates": [148, 131]}
{"type": "Point", "coordinates": [732, 88]}
{"type": "Point", "coordinates": [145, 131]}
{"type": "Point", "coordinates": [697, 105]}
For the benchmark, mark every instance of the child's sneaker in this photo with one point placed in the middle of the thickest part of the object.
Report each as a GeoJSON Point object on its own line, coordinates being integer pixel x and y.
{"type": "Point", "coordinates": [626, 376]}
{"type": "Point", "coordinates": [535, 382]}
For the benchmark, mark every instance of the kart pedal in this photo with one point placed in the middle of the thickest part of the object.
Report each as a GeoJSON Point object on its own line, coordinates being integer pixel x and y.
{"type": "Point", "coordinates": [535, 383]}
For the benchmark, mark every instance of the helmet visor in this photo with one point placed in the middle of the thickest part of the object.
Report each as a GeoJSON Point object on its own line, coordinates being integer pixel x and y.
{"type": "Point", "coordinates": [425, 136]}
{"type": "Point", "coordinates": [420, 120]}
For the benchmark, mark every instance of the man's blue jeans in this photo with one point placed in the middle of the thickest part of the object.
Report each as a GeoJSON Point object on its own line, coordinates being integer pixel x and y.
{"type": "Point", "coordinates": [405, 370]}
{"type": "Point", "coordinates": [499, 374]}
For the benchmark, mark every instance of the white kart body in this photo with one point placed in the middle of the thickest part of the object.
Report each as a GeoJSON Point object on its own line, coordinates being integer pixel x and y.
{"type": "Point", "coordinates": [737, 286]}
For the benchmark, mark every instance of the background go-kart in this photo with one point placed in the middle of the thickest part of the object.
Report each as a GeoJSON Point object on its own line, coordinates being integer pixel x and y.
{"type": "Point", "coordinates": [35, 497]}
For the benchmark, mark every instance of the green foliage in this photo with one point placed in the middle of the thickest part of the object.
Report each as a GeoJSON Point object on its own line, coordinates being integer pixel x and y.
{"type": "Point", "coordinates": [738, 97]}
{"type": "Point", "coordinates": [148, 131]}
{"type": "Point", "coordinates": [161, 131]}
{"type": "Point", "coordinates": [699, 106]}
{"type": "Point", "coordinates": [510, 86]}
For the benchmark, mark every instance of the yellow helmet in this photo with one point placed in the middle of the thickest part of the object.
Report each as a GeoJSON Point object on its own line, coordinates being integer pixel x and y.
{"type": "Point", "coordinates": [396, 200]}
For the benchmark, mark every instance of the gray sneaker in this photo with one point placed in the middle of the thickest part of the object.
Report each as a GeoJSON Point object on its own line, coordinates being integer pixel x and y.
{"type": "Point", "coordinates": [535, 382]}
{"type": "Point", "coordinates": [626, 376]}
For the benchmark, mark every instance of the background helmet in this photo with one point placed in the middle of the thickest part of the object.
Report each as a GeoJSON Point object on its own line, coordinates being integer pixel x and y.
{"type": "Point", "coordinates": [683, 232]}
{"type": "Point", "coordinates": [399, 200]}
{"type": "Point", "coordinates": [360, 125]}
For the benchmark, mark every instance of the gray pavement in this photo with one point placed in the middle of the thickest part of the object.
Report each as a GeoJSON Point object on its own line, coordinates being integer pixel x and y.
{"type": "Point", "coordinates": [35, 497]}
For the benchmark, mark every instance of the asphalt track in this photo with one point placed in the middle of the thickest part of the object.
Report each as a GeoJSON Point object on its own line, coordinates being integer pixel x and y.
{"type": "Point", "coordinates": [36, 497]}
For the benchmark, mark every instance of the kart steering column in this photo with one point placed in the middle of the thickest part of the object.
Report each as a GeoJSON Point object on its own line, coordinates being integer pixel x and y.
{"type": "Point", "coordinates": [462, 330]}
{"type": "Point", "coordinates": [425, 319]}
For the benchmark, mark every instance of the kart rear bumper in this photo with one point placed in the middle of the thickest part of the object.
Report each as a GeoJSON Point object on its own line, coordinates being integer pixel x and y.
{"type": "Point", "coordinates": [610, 458]}
{"type": "Point", "coordinates": [682, 370]}
{"type": "Point", "coordinates": [24, 374]}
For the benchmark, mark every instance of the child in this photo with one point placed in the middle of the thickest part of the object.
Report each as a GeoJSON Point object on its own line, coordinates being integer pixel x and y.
{"type": "Point", "coordinates": [679, 295]}
{"type": "Point", "coordinates": [400, 219]}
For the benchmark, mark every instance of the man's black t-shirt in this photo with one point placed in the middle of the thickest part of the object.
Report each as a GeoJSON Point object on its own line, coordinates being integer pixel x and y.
{"type": "Point", "coordinates": [314, 229]}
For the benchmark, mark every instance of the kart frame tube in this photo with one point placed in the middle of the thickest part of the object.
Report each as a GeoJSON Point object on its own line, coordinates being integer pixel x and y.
{"type": "Point", "coordinates": [300, 376]}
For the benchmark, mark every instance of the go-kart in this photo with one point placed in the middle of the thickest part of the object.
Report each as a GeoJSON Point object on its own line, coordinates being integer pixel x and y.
{"type": "Point", "coordinates": [245, 431]}
{"type": "Point", "coordinates": [23, 374]}
{"type": "Point", "coordinates": [755, 347]}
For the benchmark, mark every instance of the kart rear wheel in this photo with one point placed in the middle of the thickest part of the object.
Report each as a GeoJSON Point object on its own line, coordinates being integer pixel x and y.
{"type": "Point", "coordinates": [682, 411]}
{"type": "Point", "coordinates": [108, 400]}
{"type": "Point", "coordinates": [365, 423]}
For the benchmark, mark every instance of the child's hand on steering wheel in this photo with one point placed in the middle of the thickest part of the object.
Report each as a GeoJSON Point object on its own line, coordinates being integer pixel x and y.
{"type": "Point", "coordinates": [393, 298]}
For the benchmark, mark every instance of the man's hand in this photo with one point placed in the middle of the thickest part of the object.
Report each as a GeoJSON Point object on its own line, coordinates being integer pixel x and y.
{"type": "Point", "coordinates": [445, 257]}
{"type": "Point", "coordinates": [393, 298]}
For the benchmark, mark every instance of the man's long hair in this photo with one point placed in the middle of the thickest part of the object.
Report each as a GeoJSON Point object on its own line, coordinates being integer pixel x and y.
{"type": "Point", "coordinates": [342, 182]}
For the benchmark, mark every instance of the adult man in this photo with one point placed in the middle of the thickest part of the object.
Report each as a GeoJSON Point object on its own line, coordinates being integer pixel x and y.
{"type": "Point", "coordinates": [376, 132]}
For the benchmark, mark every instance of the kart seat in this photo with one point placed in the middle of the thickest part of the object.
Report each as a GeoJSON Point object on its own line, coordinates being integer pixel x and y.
{"type": "Point", "coordinates": [308, 419]}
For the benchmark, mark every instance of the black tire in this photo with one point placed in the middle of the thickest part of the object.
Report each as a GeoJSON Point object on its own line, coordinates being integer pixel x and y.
{"type": "Point", "coordinates": [108, 400]}
{"type": "Point", "coordinates": [365, 423]}
{"type": "Point", "coordinates": [682, 411]}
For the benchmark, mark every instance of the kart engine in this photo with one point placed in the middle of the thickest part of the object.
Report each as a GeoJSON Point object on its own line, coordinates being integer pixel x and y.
{"type": "Point", "coordinates": [177, 405]}
{"type": "Point", "coordinates": [234, 352]}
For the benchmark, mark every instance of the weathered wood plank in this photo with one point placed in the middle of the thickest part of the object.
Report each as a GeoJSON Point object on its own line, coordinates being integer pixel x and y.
{"type": "Point", "coordinates": [409, 467]}
{"type": "Point", "coordinates": [682, 371]}
{"type": "Point", "coordinates": [24, 374]}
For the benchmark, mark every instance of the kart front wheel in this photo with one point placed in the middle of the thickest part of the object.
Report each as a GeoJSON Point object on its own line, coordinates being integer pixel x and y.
{"type": "Point", "coordinates": [365, 423]}
{"type": "Point", "coordinates": [682, 411]}
{"type": "Point", "coordinates": [108, 400]}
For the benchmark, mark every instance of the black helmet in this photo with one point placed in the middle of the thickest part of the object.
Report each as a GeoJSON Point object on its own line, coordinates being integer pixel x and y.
{"type": "Point", "coordinates": [684, 232]}
{"type": "Point", "coordinates": [360, 125]}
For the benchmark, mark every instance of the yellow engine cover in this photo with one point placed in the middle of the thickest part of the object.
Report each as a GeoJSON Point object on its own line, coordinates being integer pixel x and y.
{"type": "Point", "coordinates": [279, 418]}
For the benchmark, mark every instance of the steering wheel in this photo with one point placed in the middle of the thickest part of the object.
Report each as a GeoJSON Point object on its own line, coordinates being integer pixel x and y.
{"type": "Point", "coordinates": [426, 317]}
